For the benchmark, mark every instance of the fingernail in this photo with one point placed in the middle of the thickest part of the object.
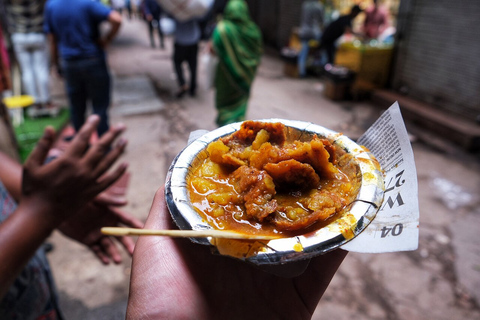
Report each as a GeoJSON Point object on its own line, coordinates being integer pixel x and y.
{"type": "Point", "coordinates": [93, 118]}
{"type": "Point", "coordinates": [120, 126]}
{"type": "Point", "coordinates": [48, 132]}
{"type": "Point", "coordinates": [122, 142]}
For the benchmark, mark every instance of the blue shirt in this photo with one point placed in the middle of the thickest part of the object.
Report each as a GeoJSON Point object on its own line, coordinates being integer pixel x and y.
{"type": "Point", "coordinates": [75, 25]}
{"type": "Point", "coordinates": [187, 33]}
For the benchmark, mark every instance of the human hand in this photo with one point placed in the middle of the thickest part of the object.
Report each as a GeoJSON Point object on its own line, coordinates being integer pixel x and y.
{"type": "Point", "coordinates": [85, 227]}
{"type": "Point", "coordinates": [177, 279]}
{"type": "Point", "coordinates": [69, 182]}
{"type": "Point", "coordinates": [210, 48]}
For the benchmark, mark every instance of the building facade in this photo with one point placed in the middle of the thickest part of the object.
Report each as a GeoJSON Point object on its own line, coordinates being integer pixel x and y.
{"type": "Point", "coordinates": [437, 48]}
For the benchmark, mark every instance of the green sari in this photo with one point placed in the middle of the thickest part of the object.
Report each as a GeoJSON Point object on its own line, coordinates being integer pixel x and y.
{"type": "Point", "coordinates": [238, 43]}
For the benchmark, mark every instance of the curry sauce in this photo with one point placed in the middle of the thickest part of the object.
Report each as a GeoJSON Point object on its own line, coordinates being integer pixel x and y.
{"type": "Point", "coordinates": [263, 180]}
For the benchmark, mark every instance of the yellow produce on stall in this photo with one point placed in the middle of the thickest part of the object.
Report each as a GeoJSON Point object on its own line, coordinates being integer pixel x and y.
{"type": "Point", "coordinates": [370, 62]}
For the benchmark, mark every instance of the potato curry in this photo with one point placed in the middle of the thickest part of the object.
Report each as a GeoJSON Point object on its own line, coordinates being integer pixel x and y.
{"type": "Point", "coordinates": [261, 180]}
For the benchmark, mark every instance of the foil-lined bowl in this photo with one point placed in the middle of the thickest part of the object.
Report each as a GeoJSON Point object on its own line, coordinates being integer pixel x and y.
{"type": "Point", "coordinates": [279, 251]}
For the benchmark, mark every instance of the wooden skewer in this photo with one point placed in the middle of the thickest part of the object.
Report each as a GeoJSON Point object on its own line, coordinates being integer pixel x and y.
{"type": "Point", "coordinates": [117, 231]}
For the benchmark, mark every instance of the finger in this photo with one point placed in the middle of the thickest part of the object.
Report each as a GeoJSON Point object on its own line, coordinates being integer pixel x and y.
{"type": "Point", "coordinates": [109, 247]}
{"type": "Point", "coordinates": [97, 250]}
{"type": "Point", "coordinates": [82, 138]}
{"type": "Point", "coordinates": [158, 217]}
{"type": "Point", "coordinates": [110, 178]}
{"type": "Point", "coordinates": [107, 199]}
{"type": "Point", "coordinates": [109, 159]}
{"type": "Point", "coordinates": [97, 151]}
{"type": "Point", "coordinates": [128, 244]}
{"type": "Point", "coordinates": [39, 153]}
{"type": "Point", "coordinates": [127, 219]}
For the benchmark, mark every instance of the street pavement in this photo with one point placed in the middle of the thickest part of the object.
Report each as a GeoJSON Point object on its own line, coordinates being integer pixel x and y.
{"type": "Point", "coordinates": [440, 280]}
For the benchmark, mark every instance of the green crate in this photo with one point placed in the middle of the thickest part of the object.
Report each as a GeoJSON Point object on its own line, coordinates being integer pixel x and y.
{"type": "Point", "coordinates": [29, 132]}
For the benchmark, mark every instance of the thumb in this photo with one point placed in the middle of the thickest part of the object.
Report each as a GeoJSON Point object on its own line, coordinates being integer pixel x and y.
{"type": "Point", "coordinates": [159, 217]}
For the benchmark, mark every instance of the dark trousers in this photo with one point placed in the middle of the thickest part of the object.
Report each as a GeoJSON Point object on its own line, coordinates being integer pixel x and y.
{"type": "Point", "coordinates": [330, 49]}
{"type": "Point", "coordinates": [155, 23]}
{"type": "Point", "coordinates": [188, 54]}
{"type": "Point", "coordinates": [87, 79]}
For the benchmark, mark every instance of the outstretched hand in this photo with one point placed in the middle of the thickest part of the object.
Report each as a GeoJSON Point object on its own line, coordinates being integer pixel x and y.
{"type": "Point", "coordinates": [68, 183]}
{"type": "Point", "coordinates": [177, 279]}
{"type": "Point", "coordinates": [54, 192]}
{"type": "Point", "coordinates": [102, 212]}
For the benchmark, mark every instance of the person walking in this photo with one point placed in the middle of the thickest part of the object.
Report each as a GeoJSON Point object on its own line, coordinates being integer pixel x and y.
{"type": "Point", "coordinates": [237, 41]}
{"type": "Point", "coordinates": [187, 36]}
{"type": "Point", "coordinates": [153, 13]}
{"type": "Point", "coordinates": [311, 27]}
{"type": "Point", "coordinates": [25, 20]}
{"type": "Point", "coordinates": [73, 28]}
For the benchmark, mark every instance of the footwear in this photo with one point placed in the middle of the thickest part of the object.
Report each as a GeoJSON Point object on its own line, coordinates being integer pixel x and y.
{"type": "Point", "coordinates": [182, 92]}
{"type": "Point", "coordinates": [51, 109]}
{"type": "Point", "coordinates": [34, 111]}
{"type": "Point", "coordinates": [43, 109]}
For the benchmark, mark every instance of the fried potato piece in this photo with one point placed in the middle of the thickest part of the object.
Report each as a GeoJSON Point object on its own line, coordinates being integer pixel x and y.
{"type": "Point", "coordinates": [249, 129]}
{"type": "Point", "coordinates": [293, 174]}
{"type": "Point", "coordinates": [266, 154]}
{"type": "Point", "coordinates": [313, 153]}
{"type": "Point", "coordinates": [219, 153]}
{"type": "Point", "coordinates": [217, 150]}
{"type": "Point", "coordinates": [257, 189]}
{"type": "Point", "coordinates": [325, 201]}
{"type": "Point", "coordinates": [331, 150]}
{"type": "Point", "coordinates": [232, 161]}
{"type": "Point", "coordinates": [323, 204]}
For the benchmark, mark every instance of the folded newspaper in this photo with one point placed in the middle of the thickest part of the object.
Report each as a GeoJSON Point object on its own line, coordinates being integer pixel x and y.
{"type": "Point", "coordinates": [396, 225]}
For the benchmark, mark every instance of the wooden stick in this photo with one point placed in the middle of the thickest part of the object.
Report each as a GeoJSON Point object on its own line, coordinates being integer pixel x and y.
{"type": "Point", "coordinates": [117, 231]}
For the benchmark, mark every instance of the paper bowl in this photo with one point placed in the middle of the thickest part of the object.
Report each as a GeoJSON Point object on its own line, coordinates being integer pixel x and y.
{"type": "Point", "coordinates": [347, 227]}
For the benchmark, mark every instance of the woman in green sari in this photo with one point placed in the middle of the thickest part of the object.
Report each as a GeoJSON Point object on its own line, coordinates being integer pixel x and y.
{"type": "Point", "coordinates": [237, 41]}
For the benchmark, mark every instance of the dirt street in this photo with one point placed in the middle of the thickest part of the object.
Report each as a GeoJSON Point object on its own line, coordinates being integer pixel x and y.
{"type": "Point", "coordinates": [440, 280]}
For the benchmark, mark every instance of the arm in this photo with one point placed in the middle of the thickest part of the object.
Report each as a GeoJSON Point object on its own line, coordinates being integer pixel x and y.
{"type": "Point", "coordinates": [147, 11]}
{"type": "Point", "coordinates": [11, 175]}
{"type": "Point", "coordinates": [177, 279]}
{"type": "Point", "coordinates": [349, 30]}
{"type": "Point", "coordinates": [53, 192]}
{"type": "Point", "coordinates": [54, 52]}
{"type": "Point", "coordinates": [115, 20]}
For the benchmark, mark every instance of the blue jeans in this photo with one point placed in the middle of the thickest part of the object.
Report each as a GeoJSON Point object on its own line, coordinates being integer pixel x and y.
{"type": "Point", "coordinates": [87, 79]}
{"type": "Point", "coordinates": [302, 58]}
